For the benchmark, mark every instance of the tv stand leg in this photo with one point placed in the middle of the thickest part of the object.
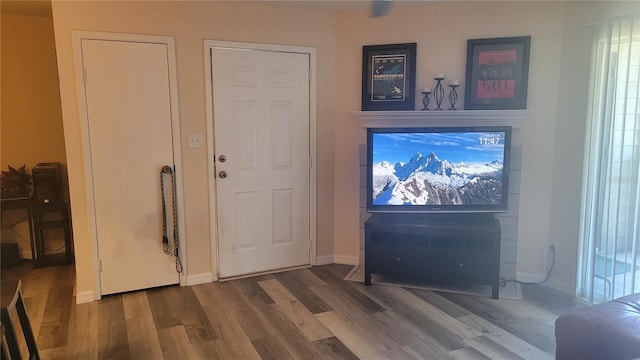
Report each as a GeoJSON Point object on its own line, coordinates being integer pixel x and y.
{"type": "Point", "coordinates": [367, 278]}
{"type": "Point", "coordinates": [495, 291]}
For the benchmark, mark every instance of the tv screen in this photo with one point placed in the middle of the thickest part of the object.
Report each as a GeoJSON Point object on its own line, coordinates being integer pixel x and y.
{"type": "Point", "coordinates": [463, 169]}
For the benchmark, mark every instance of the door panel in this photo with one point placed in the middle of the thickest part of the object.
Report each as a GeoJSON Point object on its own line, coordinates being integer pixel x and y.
{"type": "Point", "coordinates": [282, 202]}
{"type": "Point", "coordinates": [129, 120]}
{"type": "Point", "coordinates": [244, 127]}
{"type": "Point", "coordinates": [281, 134]}
{"type": "Point", "coordinates": [261, 122]}
{"type": "Point", "coordinates": [245, 214]}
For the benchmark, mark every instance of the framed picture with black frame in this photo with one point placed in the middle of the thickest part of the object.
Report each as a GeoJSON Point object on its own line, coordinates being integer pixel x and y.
{"type": "Point", "coordinates": [388, 77]}
{"type": "Point", "coordinates": [497, 73]}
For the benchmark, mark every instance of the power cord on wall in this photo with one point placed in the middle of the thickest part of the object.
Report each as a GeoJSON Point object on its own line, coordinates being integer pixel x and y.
{"type": "Point", "coordinates": [12, 226]}
{"type": "Point", "coordinates": [503, 281]}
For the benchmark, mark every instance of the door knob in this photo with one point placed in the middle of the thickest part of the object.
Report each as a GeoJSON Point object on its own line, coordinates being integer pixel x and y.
{"type": "Point", "coordinates": [222, 158]}
{"type": "Point", "coordinates": [222, 174]}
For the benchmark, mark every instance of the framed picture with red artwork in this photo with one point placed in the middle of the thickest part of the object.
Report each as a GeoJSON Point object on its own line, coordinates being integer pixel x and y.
{"type": "Point", "coordinates": [497, 73]}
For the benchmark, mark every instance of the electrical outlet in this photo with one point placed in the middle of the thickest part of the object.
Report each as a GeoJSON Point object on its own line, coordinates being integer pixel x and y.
{"type": "Point", "coordinates": [194, 141]}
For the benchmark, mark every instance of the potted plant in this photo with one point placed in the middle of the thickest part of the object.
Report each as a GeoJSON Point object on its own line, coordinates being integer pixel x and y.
{"type": "Point", "coordinates": [15, 181]}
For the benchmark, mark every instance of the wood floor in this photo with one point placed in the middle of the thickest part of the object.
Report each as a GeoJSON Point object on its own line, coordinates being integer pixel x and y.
{"type": "Point", "coordinates": [303, 314]}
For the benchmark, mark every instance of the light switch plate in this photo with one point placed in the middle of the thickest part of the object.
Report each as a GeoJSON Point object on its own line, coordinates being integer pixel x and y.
{"type": "Point", "coordinates": [194, 141]}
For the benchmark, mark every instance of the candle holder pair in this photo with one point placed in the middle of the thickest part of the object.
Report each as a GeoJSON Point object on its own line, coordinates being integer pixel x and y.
{"type": "Point", "coordinates": [438, 95]}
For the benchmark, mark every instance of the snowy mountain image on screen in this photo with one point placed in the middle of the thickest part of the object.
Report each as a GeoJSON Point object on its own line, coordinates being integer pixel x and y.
{"type": "Point", "coordinates": [429, 180]}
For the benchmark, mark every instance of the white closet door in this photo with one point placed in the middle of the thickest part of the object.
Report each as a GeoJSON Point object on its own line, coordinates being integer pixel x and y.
{"type": "Point", "coordinates": [129, 120]}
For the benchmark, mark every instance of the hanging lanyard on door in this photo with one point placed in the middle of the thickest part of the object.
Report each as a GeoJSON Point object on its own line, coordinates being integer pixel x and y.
{"type": "Point", "coordinates": [170, 247]}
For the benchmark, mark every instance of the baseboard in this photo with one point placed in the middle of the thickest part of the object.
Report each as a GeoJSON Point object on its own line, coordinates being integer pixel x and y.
{"type": "Point", "coordinates": [337, 259]}
{"type": "Point", "coordinates": [84, 297]}
{"type": "Point", "coordinates": [562, 286]}
{"type": "Point", "coordinates": [324, 260]}
{"type": "Point", "coordinates": [528, 277]}
{"type": "Point", "coordinates": [197, 279]}
{"type": "Point", "coordinates": [346, 259]}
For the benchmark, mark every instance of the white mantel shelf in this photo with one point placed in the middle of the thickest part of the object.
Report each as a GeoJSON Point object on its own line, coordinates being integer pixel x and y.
{"type": "Point", "coordinates": [444, 118]}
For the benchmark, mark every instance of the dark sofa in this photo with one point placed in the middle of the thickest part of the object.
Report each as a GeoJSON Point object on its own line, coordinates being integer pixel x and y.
{"type": "Point", "coordinates": [608, 331]}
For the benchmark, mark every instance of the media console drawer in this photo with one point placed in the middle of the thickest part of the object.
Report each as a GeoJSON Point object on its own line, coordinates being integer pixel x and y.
{"type": "Point", "coordinates": [461, 266]}
{"type": "Point", "coordinates": [465, 250]}
{"type": "Point", "coordinates": [394, 259]}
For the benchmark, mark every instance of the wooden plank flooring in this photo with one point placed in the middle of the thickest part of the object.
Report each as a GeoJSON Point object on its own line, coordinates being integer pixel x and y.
{"type": "Point", "coordinates": [302, 314]}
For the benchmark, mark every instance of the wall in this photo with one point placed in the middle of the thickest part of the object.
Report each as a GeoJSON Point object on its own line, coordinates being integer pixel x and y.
{"type": "Point", "coordinates": [31, 127]}
{"type": "Point", "coordinates": [191, 23]}
{"type": "Point", "coordinates": [441, 31]}
{"type": "Point", "coordinates": [551, 139]}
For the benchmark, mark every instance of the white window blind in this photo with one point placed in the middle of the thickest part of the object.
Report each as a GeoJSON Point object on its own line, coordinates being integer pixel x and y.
{"type": "Point", "coordinates": [609, 259]}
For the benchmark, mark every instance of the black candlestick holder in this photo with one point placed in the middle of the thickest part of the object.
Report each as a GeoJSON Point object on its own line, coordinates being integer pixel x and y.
{"type": "Point", "coordinates": [425, 100]}
{"type": "Point", "coordinates": [453, 97]}
{"type": "Point", "coordinates": [438, 92]}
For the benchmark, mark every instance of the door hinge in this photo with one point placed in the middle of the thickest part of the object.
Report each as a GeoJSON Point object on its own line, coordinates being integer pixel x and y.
{"type": "Point", "coordinates": [310, 73]}
{"type": "Point", "coordinates": [310, 162]}
{"type": "Point", "coordinates": [84, 75]}
{"type": "Point", "coordinates": [100, 265]}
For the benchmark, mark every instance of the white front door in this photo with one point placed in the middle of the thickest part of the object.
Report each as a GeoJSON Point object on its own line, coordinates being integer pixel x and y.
{"type": "Point", "coordinates": [262, 159]}
{"type": "Point", "coordinates": [128, 105]}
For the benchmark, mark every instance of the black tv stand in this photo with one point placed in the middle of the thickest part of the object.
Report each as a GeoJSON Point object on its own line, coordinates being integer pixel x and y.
{"type": "Point", "coordinates": [439, 247]}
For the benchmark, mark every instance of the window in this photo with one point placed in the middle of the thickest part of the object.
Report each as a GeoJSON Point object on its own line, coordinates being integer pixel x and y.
{"type": "Point", "coordinates": [609, 259]}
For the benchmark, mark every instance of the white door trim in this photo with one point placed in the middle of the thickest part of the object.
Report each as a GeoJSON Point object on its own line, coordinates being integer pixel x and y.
{"type": "Point", "coordinates": [168, 41]}
{"type": "Point", "coordinates": [208, 45]}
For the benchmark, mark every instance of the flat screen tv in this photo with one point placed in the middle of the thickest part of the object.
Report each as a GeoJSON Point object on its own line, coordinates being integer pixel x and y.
{"type": "Point", "coordinates": [438, 170]}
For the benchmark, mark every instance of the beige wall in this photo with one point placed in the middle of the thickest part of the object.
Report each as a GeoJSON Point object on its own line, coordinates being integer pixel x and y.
{"type": "Point", "coordinates": [191, 23]}
{"type": "Point", "coordinates": [551, 139]}
{"type": "Point", "coordinates": [31, 125]}
{"type": "Point", "coordinates": [31, 113]}
{"type": "Point", "coordinates": [441, 31]}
